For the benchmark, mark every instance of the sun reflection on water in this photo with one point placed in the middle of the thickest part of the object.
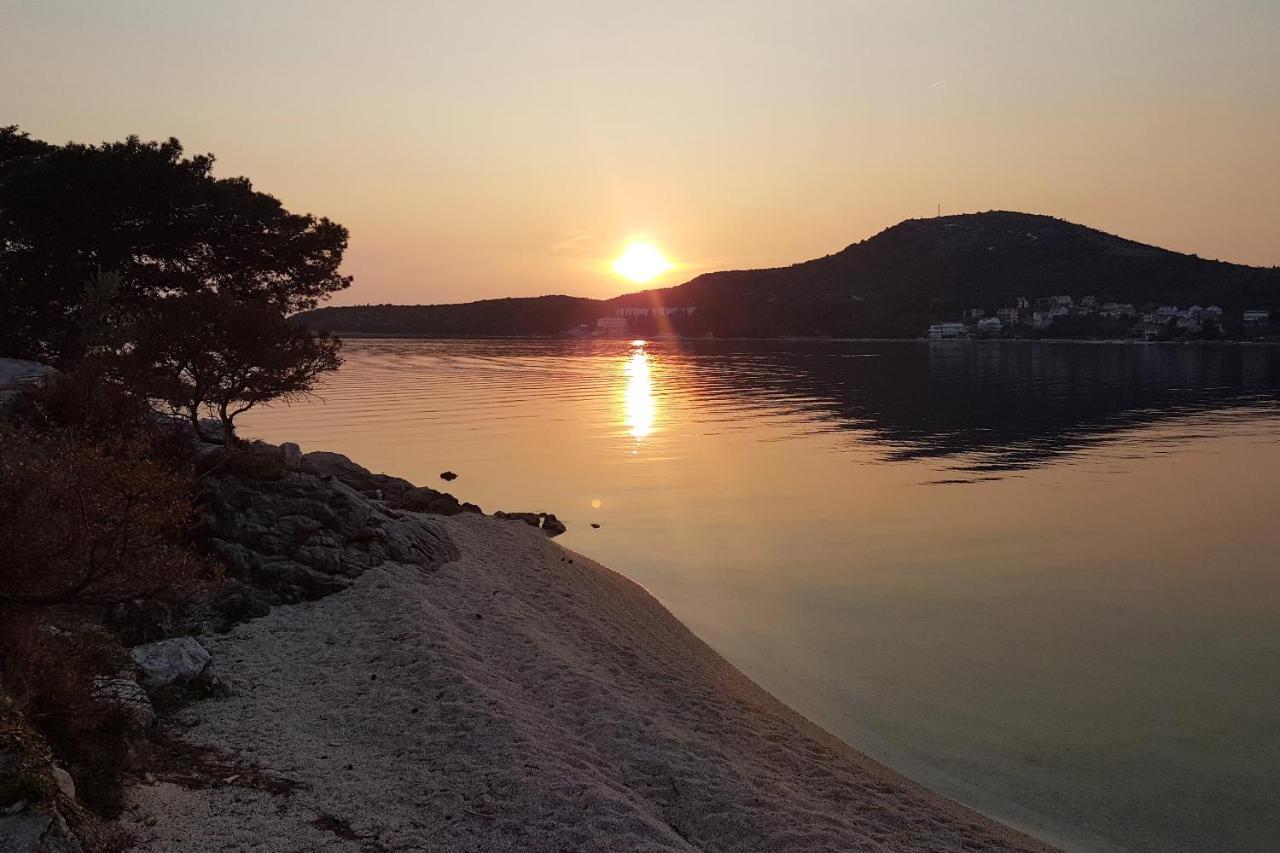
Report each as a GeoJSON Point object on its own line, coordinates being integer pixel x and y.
{"type": "Point", "coordinates": [639, 408]}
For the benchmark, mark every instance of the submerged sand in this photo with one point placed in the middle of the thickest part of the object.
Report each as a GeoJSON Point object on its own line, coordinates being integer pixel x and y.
{"type": "Point", "coordinates": [520, 698]}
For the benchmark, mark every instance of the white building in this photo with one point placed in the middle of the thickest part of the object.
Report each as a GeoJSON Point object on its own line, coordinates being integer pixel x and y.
{"type": "Point", "coordinates": [661, 311]}
{"type": "Point", "coordinates": [938, 331]}
{"type": "Point", "coordinates": [612, 326]}
{"type": "Point", "coordinates": [990, 325]}
{"type": "Point", "coordinates": [1257, 317]}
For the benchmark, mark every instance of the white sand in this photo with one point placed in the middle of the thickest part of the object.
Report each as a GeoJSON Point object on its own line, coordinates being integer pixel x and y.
{"type": "Point", "coordinates": [522, 702]}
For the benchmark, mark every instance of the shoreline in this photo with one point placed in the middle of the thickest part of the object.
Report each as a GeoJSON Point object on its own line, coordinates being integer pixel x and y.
{"type": "Point", "coordinates": [388, 336]}
{"type": "Point", "coordinates": [520, 696]}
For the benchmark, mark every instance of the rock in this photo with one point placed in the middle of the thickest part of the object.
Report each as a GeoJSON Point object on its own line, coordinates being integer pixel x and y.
{"type": "Point", "coordinates": [291, 456]}
{"type": "Point", "coordinates": [595, 526]}
{"type": "Point", "coordinates": [16, 371]}
{"type": "Point", "coordinates": [342, 469]}
{"type": "Point", "coordinates": [448, 476]}
{"type": "Point", "coordinates": [128, 694]}
{"type": "Point", "coordinates": [167, 662]}
{"type": "Point", "coordinates": [22, 832]}
{"type": "Point", "coordinates": [65, 783]}
{"type": "Point", "coordinates": [552, 526]}
{"type": "Point", "coordinates": [530, 518]}
{"type": "Point", "coordinates": [37, 832]}
{"type": "Point", "coordinates": [310, 535]}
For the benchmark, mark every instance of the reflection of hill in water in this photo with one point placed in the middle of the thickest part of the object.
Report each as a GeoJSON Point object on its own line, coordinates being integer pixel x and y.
{"type": "Point", "coordinates": [1003, 407]}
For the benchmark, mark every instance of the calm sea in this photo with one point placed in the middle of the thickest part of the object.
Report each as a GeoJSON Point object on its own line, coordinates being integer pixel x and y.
{"type": "Point", "coordinates": [1041, 579]}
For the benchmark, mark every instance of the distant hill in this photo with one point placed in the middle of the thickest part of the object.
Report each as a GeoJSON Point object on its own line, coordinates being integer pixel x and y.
{"type": "Point", "coordinates": [890, 285]}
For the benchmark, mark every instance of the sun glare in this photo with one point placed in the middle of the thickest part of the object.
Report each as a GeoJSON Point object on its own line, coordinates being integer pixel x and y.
{"type": "Point", "coordinates": [641, 262]}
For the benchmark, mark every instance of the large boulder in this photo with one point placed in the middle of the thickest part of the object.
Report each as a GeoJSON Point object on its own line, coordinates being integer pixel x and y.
{"type": "Point", "coordinates": [36, 831]}
{"type": "Point", "coordinates": [310, 534]}
{"type": "Point", "coordinates": [176, 661]}
{"type": "Point", "coordinates": [364, 481]}
{"type": "Point", "coordinates": [15, 372]}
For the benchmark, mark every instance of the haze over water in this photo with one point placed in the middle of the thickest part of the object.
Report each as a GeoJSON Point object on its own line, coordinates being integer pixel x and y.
{"type": "Point", "coordinates": [1041, 579]}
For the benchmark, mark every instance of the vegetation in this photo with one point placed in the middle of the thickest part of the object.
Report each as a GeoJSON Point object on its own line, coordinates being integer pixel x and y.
{"type": "Point", "coordinates": [83, 526]}
{"type": "Point", "coordinates": [158, 223]}
{"type": "Point", "coordinates": [150, 284]}
{"type": "Point", "coordinates": [207, 354]}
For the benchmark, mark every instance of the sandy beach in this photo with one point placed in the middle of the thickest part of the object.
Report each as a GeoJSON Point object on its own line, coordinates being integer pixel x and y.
{"type": "Point", "coordinates": [521, 697]}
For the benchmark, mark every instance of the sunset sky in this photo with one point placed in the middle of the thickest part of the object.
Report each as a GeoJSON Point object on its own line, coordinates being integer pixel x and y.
{"type": "Point", "coordinates": [480, 149]}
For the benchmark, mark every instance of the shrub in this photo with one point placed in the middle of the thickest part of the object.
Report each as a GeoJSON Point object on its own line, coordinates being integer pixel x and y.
{"type": "Point", "coordinates": [83, 527]}
{"type": "Point", "coordinates": [49, 670]}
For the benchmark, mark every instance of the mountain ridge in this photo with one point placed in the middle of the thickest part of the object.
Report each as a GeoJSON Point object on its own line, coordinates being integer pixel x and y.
{"type": "Point", "coordinates": [891, 284]}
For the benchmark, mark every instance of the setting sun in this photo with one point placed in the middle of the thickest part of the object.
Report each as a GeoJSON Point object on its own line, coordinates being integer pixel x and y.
{"type": "Point", "coordinates": [641, 262]}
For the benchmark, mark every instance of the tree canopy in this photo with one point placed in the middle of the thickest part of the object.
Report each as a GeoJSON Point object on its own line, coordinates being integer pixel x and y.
{"type": "Point", "coordinates": [154, 218]}
{"type": "Point", "coordinates": [212, 354]}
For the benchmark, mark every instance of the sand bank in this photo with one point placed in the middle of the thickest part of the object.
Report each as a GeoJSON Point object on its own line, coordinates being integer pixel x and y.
{"type": "Point", "coordinates": [521, 697]}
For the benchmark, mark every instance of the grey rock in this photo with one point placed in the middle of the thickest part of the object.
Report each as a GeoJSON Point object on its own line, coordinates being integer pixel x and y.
{"type": "Point", "coordinates": [65, 783]}
{"type": "Point", "coordinates": [128, 694]}
{"type": "Point", "coordinates": [17, 371]}
{"type": "Point", "coordinates": [22, 832]}
{"type": "Point", "coordinates": [530, 518]}
{"type": "Point", "coordinates": [356, 476]}
{"type": "Point", "coordinates": [291, 456]}
{"type": "Point", "coordinates": [308, 535]}
{"type": "Point", "coordinates": [36, 832]}
{"type": "Point", "coordinates": [167, 662]}
{"type": "Point", "coordinates": [552, 526]}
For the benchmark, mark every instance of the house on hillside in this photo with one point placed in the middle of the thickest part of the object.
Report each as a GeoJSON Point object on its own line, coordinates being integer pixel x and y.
{"type": "Point", "coordinates": [610, 326]}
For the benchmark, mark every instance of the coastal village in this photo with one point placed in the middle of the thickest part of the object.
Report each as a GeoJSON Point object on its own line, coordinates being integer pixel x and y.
{"type": "Point", "coordinates": [1065, 316]}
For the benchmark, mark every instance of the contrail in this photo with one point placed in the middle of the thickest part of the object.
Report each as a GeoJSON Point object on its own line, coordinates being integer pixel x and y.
{"type": "Point", "coordinates": [936, 85]}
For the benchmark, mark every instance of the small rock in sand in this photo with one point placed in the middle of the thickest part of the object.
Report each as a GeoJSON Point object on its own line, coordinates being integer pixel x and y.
{"type": "Point", "coordinates": [448, 476]}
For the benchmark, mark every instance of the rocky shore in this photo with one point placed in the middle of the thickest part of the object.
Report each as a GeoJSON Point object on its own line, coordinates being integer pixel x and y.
{"type": "Point", "coordinates": [393, 670]}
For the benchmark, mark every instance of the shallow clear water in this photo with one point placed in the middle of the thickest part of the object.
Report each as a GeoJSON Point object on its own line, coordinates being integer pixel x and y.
{"type": "Point", "coordinates": [1042, 579]}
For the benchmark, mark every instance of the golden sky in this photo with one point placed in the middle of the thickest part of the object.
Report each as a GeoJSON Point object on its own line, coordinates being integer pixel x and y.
{"type": "Point", "coordinates": [480, 149]}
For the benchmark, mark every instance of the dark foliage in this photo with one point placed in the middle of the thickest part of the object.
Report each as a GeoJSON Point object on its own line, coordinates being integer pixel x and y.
{"type": "Point", "coordinates": [50, 670]}
{"type": "Point", "coordinates": [84, 527]}
{"type": "Point", "coordinates": [542, 315]}
{"type": "Point", "coordinates": [156, 221]}
{"type": "Point", "coordinates": [209, 354]}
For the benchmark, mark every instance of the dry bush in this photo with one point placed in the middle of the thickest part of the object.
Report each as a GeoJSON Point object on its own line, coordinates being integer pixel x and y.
{"type": "Point", "coordinates": [24, 769]}
{"type": "Point", "coordinates": [80, 526]}
{"type": "Point", "coordinates": [97, 400]}
{"type": "Point", "coordinates": [49, 670]}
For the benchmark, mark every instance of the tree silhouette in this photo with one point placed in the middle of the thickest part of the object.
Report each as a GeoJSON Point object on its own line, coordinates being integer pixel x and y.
{"type": "Point", "coordinates": [210, 354]}
{"type": "Point", "coordinates": [154, 218]}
